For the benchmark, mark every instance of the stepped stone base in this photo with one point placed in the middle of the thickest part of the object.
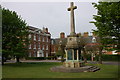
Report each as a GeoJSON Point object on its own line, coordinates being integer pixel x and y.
{"type": "Point", "coordinates": [74, 70]}
{"type": "Point", "coordinates": [73, 64]}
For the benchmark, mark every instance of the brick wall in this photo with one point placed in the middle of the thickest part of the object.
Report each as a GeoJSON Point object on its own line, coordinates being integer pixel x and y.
{"type": "Point", "coordinates": [39, 44]}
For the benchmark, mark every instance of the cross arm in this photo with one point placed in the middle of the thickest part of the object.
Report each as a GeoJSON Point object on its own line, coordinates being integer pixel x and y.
{"type": "Point", "coordinates": [69, 9]}
{"type": "Point", "coordinates": [75, 7]}
{"type": "Point", "coordinates": [72, 8]}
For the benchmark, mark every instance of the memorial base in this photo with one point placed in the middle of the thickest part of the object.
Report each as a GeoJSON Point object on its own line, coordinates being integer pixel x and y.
{"type": "Point", "coordinates": [73, 64]}
{"type": "Point", "coordinates": [74, 70]}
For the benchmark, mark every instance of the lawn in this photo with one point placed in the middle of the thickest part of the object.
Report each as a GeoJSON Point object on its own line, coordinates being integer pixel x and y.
{"type": "Point", "coordinates": [41, 70]}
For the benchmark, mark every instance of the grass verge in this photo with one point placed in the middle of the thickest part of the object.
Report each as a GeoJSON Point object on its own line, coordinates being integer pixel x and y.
{"type": "Point", "coordinates": [41, 70]}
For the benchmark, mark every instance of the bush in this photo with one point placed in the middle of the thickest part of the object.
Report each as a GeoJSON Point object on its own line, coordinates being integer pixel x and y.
{"type": "Point", "coordinates": [35, 58]}
{"type": "Point", "coordinates": [50, 57]}
{"type": "Point", "coordinates": [40, 58]}
{"type": "Point", "coordinates": [105, 57]}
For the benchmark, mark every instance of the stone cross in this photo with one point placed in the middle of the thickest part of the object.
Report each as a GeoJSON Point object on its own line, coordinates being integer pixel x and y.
{"type": "Point", "coordinates": [72, 7]}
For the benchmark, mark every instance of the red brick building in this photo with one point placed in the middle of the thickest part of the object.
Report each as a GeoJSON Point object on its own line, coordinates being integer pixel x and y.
{"type": "Point", "coordinates": [85, 39]}
{"type": "Point", "coordinates": [41, 44]}
{"type": "Point", "coordinates": [40, 41]}
{"type": "Point", "coordinates": [96, 41]}
{"type": "Point", "coordinates": [55, 43]}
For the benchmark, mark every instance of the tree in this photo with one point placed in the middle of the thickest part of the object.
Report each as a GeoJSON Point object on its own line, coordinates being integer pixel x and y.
{"type": "Point", "coordinates": [107, 22]}
{"type": "Point", "coordinates": [0, 33]}
{"type": "Point", "coordinates": [61, 50]}
{"type": "Point", "coordinates": [14, 35]}
{"type": "Point", "coordinates": [83, 42]}
{"type": "Point", "coordinates": [93, 49]}
{"type": "Point", "coordinates": [60, 53]}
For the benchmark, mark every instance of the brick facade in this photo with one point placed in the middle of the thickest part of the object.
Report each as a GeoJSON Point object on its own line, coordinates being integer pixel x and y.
{"type": "Point", "coordinates": [39, 42]}
{"type": "Point", "coordinates": [85, 38]}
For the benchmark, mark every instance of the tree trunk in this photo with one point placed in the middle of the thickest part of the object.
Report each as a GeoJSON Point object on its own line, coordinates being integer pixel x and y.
{"type": "Point", "coordinates": [84, 56]}
{"type": "Point", "coordinates": [3, 60]}
{"type": "Point", "coordinates": [17, 59]}
{"type": "Point", "coordinates": [62, 59]}
{"type": "Point", "coordinates": [100, 57]}
{"type": "Point", "coordinates": [92, 58]}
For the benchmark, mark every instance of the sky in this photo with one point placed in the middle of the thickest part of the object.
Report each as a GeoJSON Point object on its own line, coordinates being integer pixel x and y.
{"type": "Point", "coordinates": [54, 15]}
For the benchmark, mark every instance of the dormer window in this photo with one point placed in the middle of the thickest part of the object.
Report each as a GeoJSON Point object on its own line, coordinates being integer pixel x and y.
{"type": "Point", "coordinates": [39, 31]}
{"type": "Point", "coordinates": [93, 40]}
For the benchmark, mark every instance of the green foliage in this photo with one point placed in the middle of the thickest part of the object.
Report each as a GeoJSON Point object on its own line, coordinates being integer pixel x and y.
{"type": "Point", "coordinates": [35, 58]}
{"type": "Point", "coordinates": [14, 34]}
{"type": "Point", "coordinates": [40, 58]}
{"type": "Point", "coordinates": [50, 57]}
{"type": "Point", "coordinates": [107, 22]}
{"type": "Point", "coordinates": [0, 32]}
{"type": "Point", "coordinates": [105, 57]}
{"type": "Point", "coordinates": [110, 57]}
{"type": "Point", "coordinates": [61, 50]}
{"type": "Point", "coordinates": [59, 53]}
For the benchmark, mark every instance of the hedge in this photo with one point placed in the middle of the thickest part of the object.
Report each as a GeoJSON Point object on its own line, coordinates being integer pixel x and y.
{"type": "Point", "coordinates": [105, 57]}
{"type": "Point", "coordinates": [110, 57]}
{"type": "Point", "coordinates": [35, 58]}
{"type": "Point", "coordinates": [40, 58]}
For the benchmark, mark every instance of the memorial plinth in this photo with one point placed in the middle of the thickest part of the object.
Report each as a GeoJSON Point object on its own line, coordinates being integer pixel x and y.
{"type": "Point", "coordinates": [72, 49]}
{"type": "Point", "coordinates": [73, 61]}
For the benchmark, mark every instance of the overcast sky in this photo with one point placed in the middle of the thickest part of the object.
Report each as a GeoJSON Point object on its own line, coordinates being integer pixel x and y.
{"type": "Point", "coordinates": [54, 15]}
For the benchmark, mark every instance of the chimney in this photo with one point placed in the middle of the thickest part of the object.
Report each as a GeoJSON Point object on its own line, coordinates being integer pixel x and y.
{"type": "Point", "coordinates": [85, 34]}
{"type": "Point", "coordinates": [43, 29]}
{"type": "Point", "coordinates": [62, 35]}
{"type": "Point", "coordinates": [79, 34]}
{"type": "Point", "coordinates": [46, 30]}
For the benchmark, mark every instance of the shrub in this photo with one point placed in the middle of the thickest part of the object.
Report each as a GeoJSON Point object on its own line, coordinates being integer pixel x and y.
{"type": "Point", "coordinates": [35, 58]}
{"type": "Point", "coordinates": [50, 57]}
{"type": "Point", "coordinates": [105, 57]}
{"type": "Point", "coordinates": [40, 58]}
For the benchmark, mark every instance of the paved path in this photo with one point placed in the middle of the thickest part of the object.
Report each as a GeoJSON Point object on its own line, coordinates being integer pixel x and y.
{"type": "Point", "coordinates": [105, 62]}
{"type": "Point", "coordinates": [92, 62]}
{"type": "Point", "coordinates": [13, 61]}
{"type": "Point", "coordinates": [40, 61]}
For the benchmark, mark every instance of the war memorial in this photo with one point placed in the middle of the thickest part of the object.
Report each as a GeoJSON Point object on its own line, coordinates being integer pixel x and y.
{"type": "Point", "coordinates": [73, 61]}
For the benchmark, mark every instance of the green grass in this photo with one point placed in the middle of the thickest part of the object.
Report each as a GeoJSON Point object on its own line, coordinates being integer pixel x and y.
{"type": "Point", "coordinates": [41, 70]}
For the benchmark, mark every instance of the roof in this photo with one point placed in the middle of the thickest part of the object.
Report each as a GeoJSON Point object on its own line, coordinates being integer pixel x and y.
{"type": "Point", "coordinates": [57, 40]}
{"type": "Point", "coordinates": [83, 40]}
{"type": "Point", "coordinates": [37, 30]}
{"type": "Point", "coordinates": [32, 28]}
